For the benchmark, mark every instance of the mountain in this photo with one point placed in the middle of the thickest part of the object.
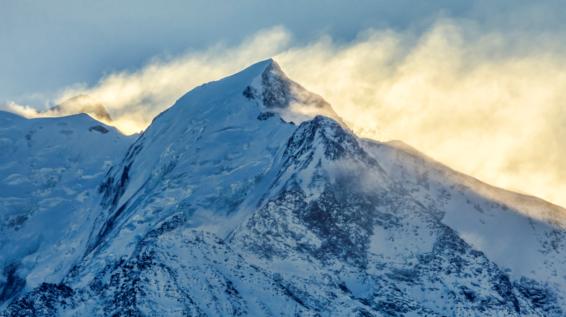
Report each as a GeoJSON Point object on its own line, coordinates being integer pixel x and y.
{"type": "Point", "coordinates": [49, 170]}
{"type": "Point", "coordinates": [251, 197]}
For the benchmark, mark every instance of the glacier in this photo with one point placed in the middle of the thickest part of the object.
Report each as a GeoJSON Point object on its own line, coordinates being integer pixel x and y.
{"type": "Point", "coordinates": [251, 197]}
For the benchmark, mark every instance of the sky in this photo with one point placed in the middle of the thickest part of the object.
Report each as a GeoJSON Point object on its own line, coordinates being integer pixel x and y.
{"type": "Point", "coordinates": [477, 85]}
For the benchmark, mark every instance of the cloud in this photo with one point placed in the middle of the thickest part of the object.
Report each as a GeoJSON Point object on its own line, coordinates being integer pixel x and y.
{"type": "Point", "coordinates": [76, 104]}
{"type": "Point", "coordinates": [135, 98]}
{"type": "Point", "coordinates": [487, 103]}
{"type": "Point", "coordinates": [22, 110]}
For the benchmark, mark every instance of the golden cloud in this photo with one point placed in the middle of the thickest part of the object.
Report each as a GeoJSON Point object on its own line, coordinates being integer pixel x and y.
{"type": "Point", "coordinates": [487, 104]}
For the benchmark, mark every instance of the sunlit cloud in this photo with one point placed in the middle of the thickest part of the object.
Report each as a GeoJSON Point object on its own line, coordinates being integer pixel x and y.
{"type": "Point", "coordinates": [22, 110]}
{"type": "Point", "coordinates": [485, 103]}
{"type": "Point", "coordinates": [134, 99]}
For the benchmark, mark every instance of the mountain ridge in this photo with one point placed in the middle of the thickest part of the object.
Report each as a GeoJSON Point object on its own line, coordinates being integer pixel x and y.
{"type": "Point", "coordinates": [231, 204]}
{"type": "Point", "coordinates": [507, 196]}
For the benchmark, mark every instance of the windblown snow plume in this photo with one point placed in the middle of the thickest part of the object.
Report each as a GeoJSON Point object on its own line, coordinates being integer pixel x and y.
{"type": "Point", "coordinates": [486, 103]}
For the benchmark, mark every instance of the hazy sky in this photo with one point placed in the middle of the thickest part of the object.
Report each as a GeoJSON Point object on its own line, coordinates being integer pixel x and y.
{"type": "Point", "coordinates": [48, 45]}
{"type": "Point", "coordinates": [478, 85]}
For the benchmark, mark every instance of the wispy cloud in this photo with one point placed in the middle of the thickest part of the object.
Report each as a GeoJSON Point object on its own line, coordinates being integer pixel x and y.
{"type": "Point", "coordinates": [486, 103]}
{"type": "Point", "coordinates": [134, 99]}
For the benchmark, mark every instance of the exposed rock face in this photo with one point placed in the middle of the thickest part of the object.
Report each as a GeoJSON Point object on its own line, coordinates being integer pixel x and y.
{"type": "Point", "coordinates": [227, 207]}
{"type": "Point", "coordinates": [274, 91]}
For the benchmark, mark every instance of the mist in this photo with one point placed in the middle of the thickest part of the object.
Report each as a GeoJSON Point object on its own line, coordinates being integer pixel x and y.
{"type": "Point", "coordinates": [486, 103]}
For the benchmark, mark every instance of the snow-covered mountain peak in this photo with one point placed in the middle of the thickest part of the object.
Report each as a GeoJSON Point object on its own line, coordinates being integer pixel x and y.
{"type": "Point", "coordinates": [238, 113]}
{"type": "Point", "coordinates": [275, 92]}
{"type": "Point", "coordinates": [333, 140]}
{"type": "Point", "coordinates": [263, 89]}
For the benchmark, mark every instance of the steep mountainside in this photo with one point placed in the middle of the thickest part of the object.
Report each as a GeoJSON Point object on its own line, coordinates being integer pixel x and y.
{"type": "Point", "coordinates": [241, 200]}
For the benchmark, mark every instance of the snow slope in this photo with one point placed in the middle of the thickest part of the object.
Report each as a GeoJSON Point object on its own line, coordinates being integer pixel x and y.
{"type": "Point", "coordinates": [49, 170]}
{"type": "Point", "coordinates": [241, 199]}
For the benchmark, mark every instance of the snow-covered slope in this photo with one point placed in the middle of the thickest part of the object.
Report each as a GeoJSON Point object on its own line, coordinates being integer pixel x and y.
{"type": "Point", "coordinates": [521, 233]}
{"type": "Point", "coordinates": [241, 200]}
{"type": "Point", "coordinates": [49, 170]}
